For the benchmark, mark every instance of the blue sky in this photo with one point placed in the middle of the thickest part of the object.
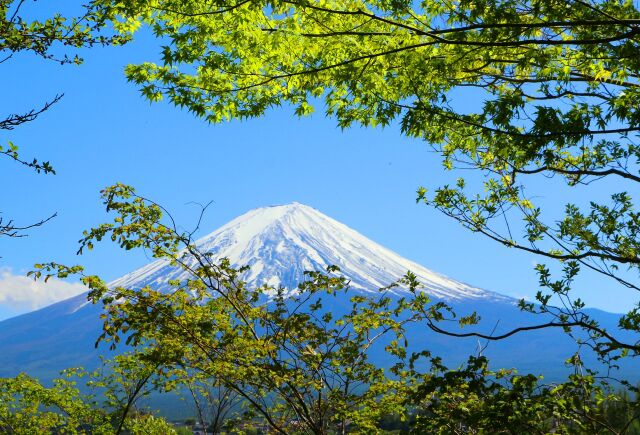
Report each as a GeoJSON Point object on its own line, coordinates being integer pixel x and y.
{"type": "Point", "coordinates": [103, 132]}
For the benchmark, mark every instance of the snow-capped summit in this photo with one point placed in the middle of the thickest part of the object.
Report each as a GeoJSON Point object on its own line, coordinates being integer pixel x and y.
{"type": "Point", "coordinates": [280, 242]}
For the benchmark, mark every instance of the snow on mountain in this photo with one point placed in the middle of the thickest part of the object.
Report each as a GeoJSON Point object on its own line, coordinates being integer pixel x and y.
{"type": "Point", "coordinates": [279, 243]}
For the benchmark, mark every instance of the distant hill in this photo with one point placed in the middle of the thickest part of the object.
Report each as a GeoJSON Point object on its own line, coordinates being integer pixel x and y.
{"type": "Point", "coordinates": [279, 243]}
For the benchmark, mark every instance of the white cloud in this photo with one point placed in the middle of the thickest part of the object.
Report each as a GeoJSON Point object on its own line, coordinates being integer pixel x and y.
{"type": "Point", "coordinates": [20, 293]}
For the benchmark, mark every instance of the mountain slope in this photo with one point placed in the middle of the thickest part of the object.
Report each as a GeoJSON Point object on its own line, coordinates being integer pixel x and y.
{"type": "Point", "coordinates": [279, 243]}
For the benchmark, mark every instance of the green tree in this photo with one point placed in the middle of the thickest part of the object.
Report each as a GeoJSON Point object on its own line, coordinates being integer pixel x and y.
{"type": "Point", "coordinates": [556, 86]}
{"type": "Point", "coordinates": [122, 381]}
{"type": "Point", "coordinates": [217, 406]}
{"type": "Point", "coordinates": [306, 369]}
{"type": "Point", "coordinates": [27, 407]}
{"type": "Point", "coordinates": [54, 38]}
{"type": "Point", "coordinates": [474, 399]}
{"type": "Point", "coordinates": [292, 361]}
{"type": "Point", "coordinates": [101, 402]}
{"type": "Point", "coordinates": [149, 424]}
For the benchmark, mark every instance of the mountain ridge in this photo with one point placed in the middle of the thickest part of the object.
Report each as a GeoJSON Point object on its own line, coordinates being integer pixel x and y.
{"type": "Point", "coordinates": [279, 243]}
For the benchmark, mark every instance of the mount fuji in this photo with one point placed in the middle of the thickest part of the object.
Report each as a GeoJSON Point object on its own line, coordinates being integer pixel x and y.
{"type": "Point", "coordinates": [279, 243]}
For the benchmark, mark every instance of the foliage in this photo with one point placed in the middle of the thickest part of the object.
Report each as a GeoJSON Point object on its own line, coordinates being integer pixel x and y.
{"type": "Point", "coordinates": [556, 86]}
{"type": "Point", "coordinates": [53, 39]}
{"type": "Point", "coordinates": [512, 88]}
{"type": "Point", "coordinates": [294, 362]}
{"type": "Point", "coordinates": [217, 406]}
{"type": "Point", "coordinates": [148, 424]}
{"type": "Point", "coordinates": [305, 368]}
{"type": "Point", "coordinates": [27, 407]}
{"type": "Point", "coordinates": [122, 381]}
{"type": "Point", "coordinates": [622, 412]}
{"type": "Point", "coordinates": [473, 399]}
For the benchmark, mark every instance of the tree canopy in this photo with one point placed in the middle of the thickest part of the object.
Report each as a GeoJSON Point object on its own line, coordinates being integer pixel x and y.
{"type": "Point", "coordinates": [515, 89]}
{"type": "Point", "coordinates": [511, 88]}
{"type": "Point", "coordinates": [303, 365]}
